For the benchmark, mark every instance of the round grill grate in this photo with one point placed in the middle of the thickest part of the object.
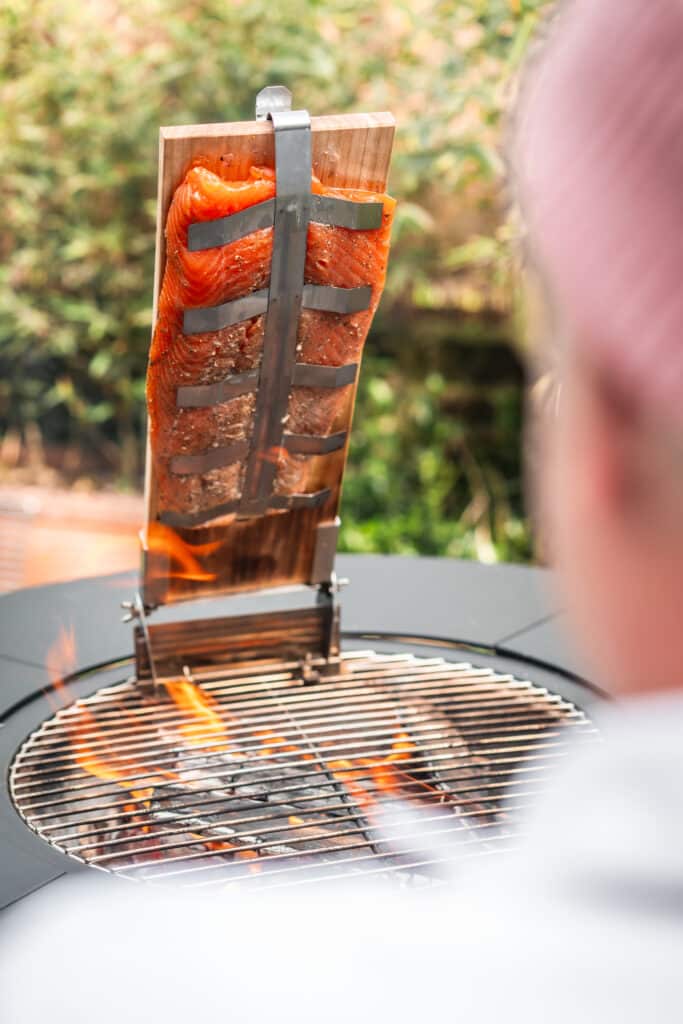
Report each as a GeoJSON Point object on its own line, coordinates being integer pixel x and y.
{"type": "Point", "coordinates": [264, 776]}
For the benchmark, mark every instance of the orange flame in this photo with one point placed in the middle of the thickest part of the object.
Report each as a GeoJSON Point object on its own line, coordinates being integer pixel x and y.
{"type": "Point", "coordinates": [162, 540]}
{"type": "Point", "coordinates": [87, 736]}
{"type": "Point", "coordinates": [60, 663]}
{"type": "Point", "coordinates": [364, 778]}
{"type": "Point", "coordinates": [206, 725]}
{"type": "Point", "coordinates": [385, 775]}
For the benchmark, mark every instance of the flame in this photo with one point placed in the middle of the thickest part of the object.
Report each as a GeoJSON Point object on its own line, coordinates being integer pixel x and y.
{"type": "Point", "coordinates": [386, 776]}
{"type": "Point", "coordinates": [365, 779]}
{"type": "Point", "coordinates": [283, 746]}
{"type": "Point", "coordinates": [89, 740]}
{"type": "Point", "coordinates": [224, 846]}
{"type": "Point", "coordinates": [402, 747]}
{"type": "Point", "coordinates": [206, 725]}
{"type": "Point", "coordinates": [60, 662]}
{"type": "Point", "coordinates": [87, 737]}
{"type": "Point", "coordinates": [162, 540]}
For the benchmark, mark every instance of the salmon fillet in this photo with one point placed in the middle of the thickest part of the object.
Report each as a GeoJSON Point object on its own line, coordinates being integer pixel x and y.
{"type": "Point", "coordinates": [335, 256]}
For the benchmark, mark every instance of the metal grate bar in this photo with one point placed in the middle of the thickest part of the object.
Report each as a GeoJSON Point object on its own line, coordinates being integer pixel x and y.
{"type": "Point", "coordinates": [503, 727]}
{"type": "Point", "coordinates": [308, 776]}
{"type": "Point", "coordinates": [481, 712]}
{"type": "Point", "coordinates": [468, 695]}
{"type": "Point", "coordinates": [369, 707]}
{"type": "Point", "coordinates": [473, 805]}
{"type": "Point", "coordinates": [349, 748]}
{"type": "Point", "coordinates": [405, 867]}
{"type": "Point", "coordinates": [277, 778]}
{"type": "Point", "coordinates": [503, 777]}
{"type": "Point", "coordinates": [312, 444]}
{"type": "Point", "coordinates": [298, 855]}
{"type": "Point", "coordinates": [266, 844]}
{"type": "Point", "coordinates": [128, 810]}
{"type": "Point", "coordinates": [437, 740]}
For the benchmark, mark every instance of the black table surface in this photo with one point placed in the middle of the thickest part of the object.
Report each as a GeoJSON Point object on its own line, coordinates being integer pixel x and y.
{"type": "Point", "coordinates": [494, 606]}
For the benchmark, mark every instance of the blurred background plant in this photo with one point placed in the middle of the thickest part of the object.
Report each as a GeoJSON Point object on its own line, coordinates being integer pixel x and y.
{"type": "Point", "coordinates": [435, 461]}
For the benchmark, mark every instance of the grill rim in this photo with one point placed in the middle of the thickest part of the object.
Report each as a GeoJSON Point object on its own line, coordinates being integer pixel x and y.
{"type": "Point", "coordinates": [35, 710]}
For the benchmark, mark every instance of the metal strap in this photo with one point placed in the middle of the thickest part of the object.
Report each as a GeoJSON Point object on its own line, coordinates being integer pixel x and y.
{"type": "Point", "coordinates": [338, 213]}
{"type": "Point", "coordinates": [200, 396]}
{"type": "Point", "coordinates": [293, 501]}
{"type": "Point", "coordinates": [186, 520]}
{"type": "Point", "coordinates": [215, 318]}
{"type": "Point", "coordinates": [306, 375]}
{"type": "Point", "coordinates": [212, 458]}
{"type": "Point", "coordinates": [328, 299]}
{"type": "Point", "coordinates": [324, 297]}
{"type": "Point", "coordinates": [345, 213]}
{"type": "Point", "coordinates": [314, 375]}
{"type": "Point", "coordinates": [208, 234]}
{"type": "Point", "coordinates": [292, 211]}
{"type": "Point", "coordinates": [311, 444]}
{"type": "Point", "coordinates": [326, 535]}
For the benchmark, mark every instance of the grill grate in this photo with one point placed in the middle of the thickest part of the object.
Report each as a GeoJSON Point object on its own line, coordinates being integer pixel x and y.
{"type": "Point", "coordinates": [268, 775]}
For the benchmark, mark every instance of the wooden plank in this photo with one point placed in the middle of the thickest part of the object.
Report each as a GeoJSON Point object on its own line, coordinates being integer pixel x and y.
{"type": "Point", "coordinates": [348, 151]}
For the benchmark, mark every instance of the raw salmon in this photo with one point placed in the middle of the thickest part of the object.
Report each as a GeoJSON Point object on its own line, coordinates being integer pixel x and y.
{"type": "Point", "coordinates": [335, 256]}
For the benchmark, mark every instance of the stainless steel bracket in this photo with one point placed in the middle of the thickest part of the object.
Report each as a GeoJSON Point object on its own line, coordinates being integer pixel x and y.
{"type": "Point", "coordinates": [136, 609]}
{"type": "Point", "coordinates": [301, 626]}
{"type": "Point", "coordinates": [289, 213]}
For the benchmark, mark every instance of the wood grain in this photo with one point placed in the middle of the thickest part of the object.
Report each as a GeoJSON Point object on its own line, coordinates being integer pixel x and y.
{"type": "Point", "coordinates": [348, 151]}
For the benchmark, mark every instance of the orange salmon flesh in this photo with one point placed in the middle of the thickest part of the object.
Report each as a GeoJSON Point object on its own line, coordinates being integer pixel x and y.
{"type": "Point", "coordinates": [335, 256]}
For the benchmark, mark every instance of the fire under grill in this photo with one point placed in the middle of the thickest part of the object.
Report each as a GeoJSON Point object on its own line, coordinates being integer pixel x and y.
{"type": "Point", "coordinates": [266, 774]}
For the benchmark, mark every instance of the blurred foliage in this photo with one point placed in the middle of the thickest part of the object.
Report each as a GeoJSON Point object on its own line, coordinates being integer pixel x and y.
{"type": "Point", "coordinates": [83, 88]}
{"type": "Point", "coordinates": [421, 482]}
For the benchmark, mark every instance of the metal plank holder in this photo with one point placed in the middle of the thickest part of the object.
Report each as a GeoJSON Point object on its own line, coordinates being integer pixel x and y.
{"type": "Point", "coordinates": [289, 214]}
{"type": "Point", "coordinates": [310, 634]}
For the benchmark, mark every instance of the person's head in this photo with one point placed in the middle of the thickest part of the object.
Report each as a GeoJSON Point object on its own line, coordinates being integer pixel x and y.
{"type": "Point", "coordinates": [599, 168]}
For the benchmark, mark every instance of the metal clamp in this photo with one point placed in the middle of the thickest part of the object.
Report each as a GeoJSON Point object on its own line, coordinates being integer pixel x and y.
{"type": "Point", "coordinates": [289, 213]}
{"type": "Point", "coordinates": [136, 609]}
{"type": "Point", "coordinates": [292, 212]}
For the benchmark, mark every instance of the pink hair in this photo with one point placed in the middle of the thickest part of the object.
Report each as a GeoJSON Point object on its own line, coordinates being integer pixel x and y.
{"type": "Point", "coordinates": [599, 162]}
